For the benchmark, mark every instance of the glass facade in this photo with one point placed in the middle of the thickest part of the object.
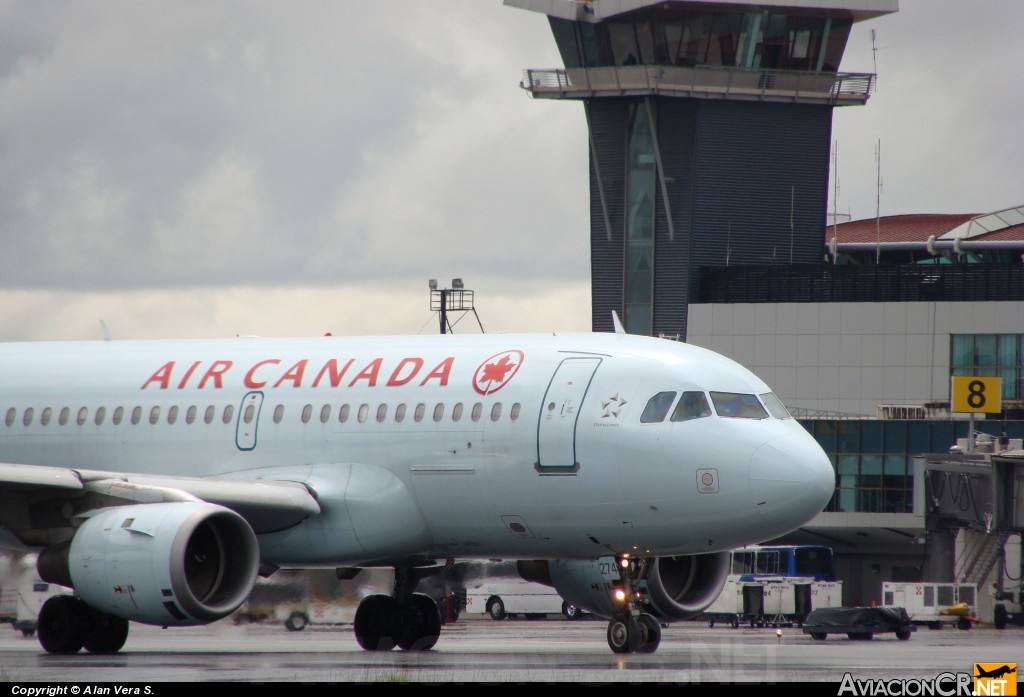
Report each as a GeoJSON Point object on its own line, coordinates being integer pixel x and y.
{"type": "Point", "coordinates": [638, 281]}
{"type": "Point", "coordinates": [874, 460]}
{"type": "Point", "coordinates": [995, 355]}
{"type": "Point", "coordinates": [746, 38]}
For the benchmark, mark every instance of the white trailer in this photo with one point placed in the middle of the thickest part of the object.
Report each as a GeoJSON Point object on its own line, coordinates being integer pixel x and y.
{"type": "Point", "coordinates": [934, 604]}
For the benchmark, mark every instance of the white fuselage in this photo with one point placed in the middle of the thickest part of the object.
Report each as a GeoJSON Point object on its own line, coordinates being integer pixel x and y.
{"type": "Point", "coordinates": [430, 447]}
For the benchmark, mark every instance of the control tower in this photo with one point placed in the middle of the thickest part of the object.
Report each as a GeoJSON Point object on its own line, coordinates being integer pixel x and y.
{"type": "Point", "coordinates": [710, 137]}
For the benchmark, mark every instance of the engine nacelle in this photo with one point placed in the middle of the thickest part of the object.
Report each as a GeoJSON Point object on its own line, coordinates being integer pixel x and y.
{"type": "Point", "coordinates": [161, 563]}
{"type": "Point", "coordinates": [675, 588]}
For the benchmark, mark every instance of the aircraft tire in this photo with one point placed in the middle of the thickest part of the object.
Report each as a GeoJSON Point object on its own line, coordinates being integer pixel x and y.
{"type": "Point", "coordinates": [107, 635]}
{"type": "Point", "coordinates": [903, 634]}
{"type": "Point", "coordinates": [819, 636]}
{"type": "Point", "coordinates": [650, 634]}
{"type": "Point", "coordinates": [421, 624]}
{"type": "Point", "coordinates": [376, 623]}
{"type": "Point", "coordinates": [623, 634]}
{"type": "Point", "coordinates": [571, 612]}
{"type": "Point", "coordinates": [62, 624]}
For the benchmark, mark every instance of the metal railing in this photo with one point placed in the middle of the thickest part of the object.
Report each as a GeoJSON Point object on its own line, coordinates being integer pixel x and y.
{"type": "Point", "coordinates": [700, 81]}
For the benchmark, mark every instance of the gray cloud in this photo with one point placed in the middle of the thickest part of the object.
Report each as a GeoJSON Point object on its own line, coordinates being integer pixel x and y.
{"type": "Point", "coordinates": [230, 151]}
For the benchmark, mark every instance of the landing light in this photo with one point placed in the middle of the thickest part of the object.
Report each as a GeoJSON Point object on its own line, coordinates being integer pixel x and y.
{"type": "Point", "coordinates": [620, 595]}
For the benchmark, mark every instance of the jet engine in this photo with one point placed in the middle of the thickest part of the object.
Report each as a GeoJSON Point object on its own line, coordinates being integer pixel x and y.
{"type": "Point", "coordinates": [673, 588]}
{"type": "Point", "coordinates": [179, 564]}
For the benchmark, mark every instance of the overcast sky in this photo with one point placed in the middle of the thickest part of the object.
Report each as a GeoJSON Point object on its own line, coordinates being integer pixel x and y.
{"type": "Point", "coordinates": [257, 167]}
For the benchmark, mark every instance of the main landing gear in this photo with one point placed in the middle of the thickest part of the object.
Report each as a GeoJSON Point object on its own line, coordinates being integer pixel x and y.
{"type": "Point", "coordinates": [407, 620]}
{"type": "Point", "coordinates": [630, 630]}
{"type": "Point", "coordinates": [67, 625]}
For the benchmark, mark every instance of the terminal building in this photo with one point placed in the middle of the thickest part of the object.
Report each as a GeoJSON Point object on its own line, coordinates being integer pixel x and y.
{"type": "Point", "coordinates": [709, 128]}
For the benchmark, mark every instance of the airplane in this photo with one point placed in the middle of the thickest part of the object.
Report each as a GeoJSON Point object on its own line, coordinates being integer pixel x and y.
{"type": "Point", "coordinates": [996, 672]}
{"type": "Point", "coordinates": [158, 479]}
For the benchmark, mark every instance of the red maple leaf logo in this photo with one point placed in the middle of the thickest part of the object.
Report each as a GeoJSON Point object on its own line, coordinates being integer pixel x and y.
{"type": "Point", "coordinates": [496, 372]}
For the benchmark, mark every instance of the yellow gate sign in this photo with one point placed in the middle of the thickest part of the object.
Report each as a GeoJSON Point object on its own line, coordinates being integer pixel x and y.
{"type": "Point", "coordinates": [976, 394]}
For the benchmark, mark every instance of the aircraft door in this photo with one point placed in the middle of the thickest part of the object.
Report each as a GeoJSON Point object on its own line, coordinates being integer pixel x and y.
{"type": "Point", "coordinates": [248, 420]}
{"type": "Point", "coordinates": [559, 413]}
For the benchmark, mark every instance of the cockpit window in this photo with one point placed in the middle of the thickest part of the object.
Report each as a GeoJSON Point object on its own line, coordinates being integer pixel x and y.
{"type": "Point", "coordinates": [775, 406]}
{"type": "Point", "coordinates": [738, 406]}
{"type": "Point", "coordinates": [692, 405]}
{"type": "Point", "coordinates": [657, 408]}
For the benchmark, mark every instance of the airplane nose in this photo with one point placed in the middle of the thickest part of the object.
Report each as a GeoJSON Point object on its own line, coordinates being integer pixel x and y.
{"type": "Point", "coordinates": [791, 480]}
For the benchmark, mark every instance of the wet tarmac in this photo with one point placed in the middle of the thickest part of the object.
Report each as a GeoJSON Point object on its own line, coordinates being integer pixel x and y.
{"type": "Point", "coordinates": [480, 650]}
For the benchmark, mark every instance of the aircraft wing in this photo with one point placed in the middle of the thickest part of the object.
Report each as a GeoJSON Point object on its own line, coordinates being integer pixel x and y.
{"type": "Point", "coordinates": [265, 504]}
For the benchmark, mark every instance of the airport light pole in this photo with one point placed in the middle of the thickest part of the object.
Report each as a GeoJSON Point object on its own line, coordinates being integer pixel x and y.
{"type": "Point", "coordinates": [454, 299]}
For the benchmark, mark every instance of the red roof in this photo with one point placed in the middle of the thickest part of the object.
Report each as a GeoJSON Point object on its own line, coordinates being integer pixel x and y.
{"type": "Point", "coordinates": [1013, 233]}
{"type": "Point", "coordinates": [899, 228]}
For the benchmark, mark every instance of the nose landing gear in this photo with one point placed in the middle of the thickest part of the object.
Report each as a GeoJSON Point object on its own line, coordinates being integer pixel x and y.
{"type": "Point", "coordinates": [631, 630]}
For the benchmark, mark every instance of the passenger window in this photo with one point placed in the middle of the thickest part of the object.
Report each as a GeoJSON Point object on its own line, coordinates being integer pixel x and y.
{"type": "Point", "coordinates": [207, 417]}
{"type": "Point", "coordinates": [775, 406]}
{"type": "Point", "coordinates": [172, 414]}
{"type": "Point", "coordinates": [657, 408]}
{"type": "Point", "coordinates": [692, 405]}
{"type": "Point", "coordinates": [400, 413]}
{"type": "Point", "coordinates": [278, 413]}
{"type": "Point", "coordinates": [738, 406]}
{"type": "Point", "coordinates": [343, 413]}
{"type": "Point", "coordinates": [190, 415]}
{"type": "Point", "coordinates": [229, 412]}
{"type": "Point", "coordinates": [478, 410]}
{"type": "Point", "coordinates": [382, 413]}
{"type": "Point", "coordinates": [250, 411]}
{"type": "Point", "coordinates": [743, 563]}
{"type": "Point", "coordinates": [45, 417]}
{"type": "Point", "coordinates": [136, 416]}
{"type": "Point", "coordinates": [9, 419]}
{"type": "Point", "coordinates": [118, 416]}
{"type": "Point", "coordinates": [417, 415]}
{"type": "Point", "coordinates": [101, 414]}
{"type": "Point", "coordinates": [514, 415]}
{"type": "Point", "coordinates": [364, 411]}
{"type": "Point", "coordinates": [438, 411]}
{"type": "Point", "coordinates": [154, 415]}
{"type": "Point", "coordinates": [26, 418]}
{"type": "Point", "coordinates": [83, 414]}
{"type": "Point", "coordinates": [307, 413]}
{"type": "Point", "coordinates": [325, 413]}
{"type": "Point", "coordinates": [496, 411]}
{"type": "Point", "coordinates": [457, 411]}
{"type": "Point", "coordinates": [767, 562]}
